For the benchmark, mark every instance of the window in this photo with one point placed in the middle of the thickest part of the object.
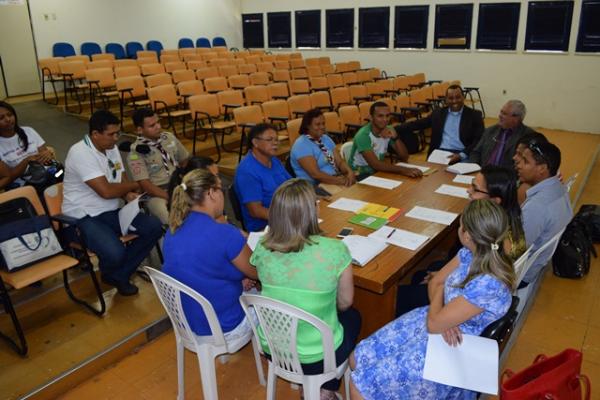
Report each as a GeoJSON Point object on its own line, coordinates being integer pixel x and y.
{"type": "Point", "coordinates": [498, 26]}
{"type": "Point", "coordinates": [340, 27]}
{"type": "Point", "coordinates": [279, 28]}
{"type": "Point", "coordinates": [588, 39]}
{"type": "Point", "coordinates": [374, 27]}
{"type": "Point", "coordinates": [548, 25]}
{"type": "Point", "coordinates": [252, 29]}
{"type": "Point", "coordinates": [453, 26]}
{"type": "Point", "coordinates": [308, 28]}
{"type": "Point", "coordinates": [410, 27]}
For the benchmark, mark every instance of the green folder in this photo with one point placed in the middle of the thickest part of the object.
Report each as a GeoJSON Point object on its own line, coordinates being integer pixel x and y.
{"type": "Point", "coordinates": [368, 221]}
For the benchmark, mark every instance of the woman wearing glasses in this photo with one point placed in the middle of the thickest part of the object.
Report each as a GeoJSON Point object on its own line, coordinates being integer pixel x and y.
{"type": "Point", "coordinates": [314, 157]}
{"type": "Point", "coordinates": [300, 267]}
{"type": "Point", "coordinates": [210, 257]}
{"type": "Point", "coordinates": [258, 176]}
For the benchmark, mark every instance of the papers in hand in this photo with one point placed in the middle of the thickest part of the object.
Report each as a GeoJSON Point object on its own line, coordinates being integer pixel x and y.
{"type": "Point", "coordinates": [407, 165]}
{"type": "Point", "coordinates": [380, 182]}
{"type": "Point", "coordinates": [254, 238]}
{"type": "Point", "coordinates": [363, 249]}
{"type": "Point", "coordinates": [432, 215]}
{"type": "Point", "coordinates": [346, 204]}
{"type": "Point", "coordinates": [127, 214]}
{"type": "Point", "coordinates": [440, 157]}
{"type": "Point", "coordinates": [399, 237]}
{"type": "Point", "coordinates": [455, 191]}
{"type": "Point", "coordinates": [466, 179]}
{"type": "Point", "coordinates": [472, 365]}
{"type": "Point", "coordinates": [463, 168]}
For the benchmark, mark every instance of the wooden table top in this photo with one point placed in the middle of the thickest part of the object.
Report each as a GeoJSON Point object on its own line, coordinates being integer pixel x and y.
{"type": "Point", "coordinates": [394, 262]}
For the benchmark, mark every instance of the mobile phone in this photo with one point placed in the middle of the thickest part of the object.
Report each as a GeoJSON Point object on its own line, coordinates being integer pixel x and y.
{"type": "Point", "coordinates": [345, 232]}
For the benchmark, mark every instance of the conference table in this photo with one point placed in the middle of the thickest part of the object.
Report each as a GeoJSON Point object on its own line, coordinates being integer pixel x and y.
{"type": "Point", "coordinates": [377, 282]}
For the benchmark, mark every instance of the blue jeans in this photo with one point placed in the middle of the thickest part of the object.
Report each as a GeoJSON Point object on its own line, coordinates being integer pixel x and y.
{"type": "Point", "coordinates": [118, 261]}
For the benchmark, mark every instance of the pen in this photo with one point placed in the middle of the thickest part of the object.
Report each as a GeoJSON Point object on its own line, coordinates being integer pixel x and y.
{"type": "Point", "coordinates": [387, 208]}
{"type": "Point", "coordinates": [391, 233]}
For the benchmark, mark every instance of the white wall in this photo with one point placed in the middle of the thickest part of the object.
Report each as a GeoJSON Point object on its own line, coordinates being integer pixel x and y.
{"type": "Point", "coordinates": [122, 21]}
{"type": "Point", "coordinates": [561, 91]}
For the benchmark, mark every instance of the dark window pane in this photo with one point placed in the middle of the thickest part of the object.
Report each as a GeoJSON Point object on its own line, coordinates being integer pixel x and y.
{"type": "Point", "coordinates": [340, 27]}
{"type": "Point", "coordinates": [548, 25]}
{"type": "Point", "coordinates": [374, 27]}
{"type": "Point", "coordinates": [588, 39]}
{"type": "Point", "coordinates": [252, 29]}
{"type": "Point", "coordinates": [453, 26]}
{"type": "Point", "coordinates": [279, 28]}
{"type": "Point", "coordinates": [498, 26]}
{"type": "Point", "coordinates": [308, 28]}
{"type": "Point", "coordinates": [410, 28]}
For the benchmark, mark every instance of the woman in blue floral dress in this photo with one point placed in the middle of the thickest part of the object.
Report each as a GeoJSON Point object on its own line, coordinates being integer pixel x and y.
{"type": "Point", "coordinates": [470, 292]}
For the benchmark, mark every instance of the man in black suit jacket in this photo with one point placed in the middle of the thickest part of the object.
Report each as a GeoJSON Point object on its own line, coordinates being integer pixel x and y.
{"type": "Point", "coordinates": [444, 134]}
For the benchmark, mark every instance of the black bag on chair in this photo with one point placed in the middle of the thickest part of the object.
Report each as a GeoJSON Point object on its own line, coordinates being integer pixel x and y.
{"type": "Point", "coordinates": [572, 256]}
{"type": "Point", "coordinates": [591, 214]}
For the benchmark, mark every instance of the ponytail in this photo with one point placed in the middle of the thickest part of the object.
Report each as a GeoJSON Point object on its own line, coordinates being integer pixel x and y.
{"type": "Point", "coordinates": [192, 190]}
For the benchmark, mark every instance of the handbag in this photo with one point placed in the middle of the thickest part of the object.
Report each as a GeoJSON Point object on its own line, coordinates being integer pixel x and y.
{"type": "Point", "coordinates": [25, 237]}
{"type": "Point", "coordinates": [591, 214]}
{"type": "Point", "coordinates": [556, 378]}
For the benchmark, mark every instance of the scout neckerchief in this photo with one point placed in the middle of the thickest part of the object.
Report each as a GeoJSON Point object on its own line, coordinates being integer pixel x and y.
{"type": "Point", "coordinates": [166, 158]}
{"type": "Point", "coordinates": [328, 155]}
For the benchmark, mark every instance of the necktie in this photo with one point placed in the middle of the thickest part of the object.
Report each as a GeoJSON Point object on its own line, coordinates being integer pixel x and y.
{"type": "Point", "coordinates": [166, 158]}
{"type": "Point", "coordinates": [325, 150]}
{"type": "Point", "coordinates": [496, 155]}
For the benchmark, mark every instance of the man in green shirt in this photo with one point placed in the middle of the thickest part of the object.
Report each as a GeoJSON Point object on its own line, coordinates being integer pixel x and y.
{"type": "Point", "coordinates": [371, 143]}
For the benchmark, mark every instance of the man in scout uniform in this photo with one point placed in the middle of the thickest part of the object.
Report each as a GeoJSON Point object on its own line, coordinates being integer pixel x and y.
{"type": "Point", "coordinates": [153, 158]}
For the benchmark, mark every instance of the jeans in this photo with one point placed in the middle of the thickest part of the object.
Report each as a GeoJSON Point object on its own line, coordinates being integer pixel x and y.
{"type": "Point", "coordinates": [118, 261]}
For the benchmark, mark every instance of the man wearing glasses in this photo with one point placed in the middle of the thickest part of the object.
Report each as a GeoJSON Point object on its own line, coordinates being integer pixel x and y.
{"type": "Point", "coordinates": [94, 185]}
{"type": "Point", "coordinates": [547, 209]}
{"type": "Point", "coordinates": [497, 145]}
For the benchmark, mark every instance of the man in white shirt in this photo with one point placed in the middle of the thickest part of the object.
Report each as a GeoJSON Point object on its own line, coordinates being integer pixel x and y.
{"type": "Point", "coordinates": [94, 183]}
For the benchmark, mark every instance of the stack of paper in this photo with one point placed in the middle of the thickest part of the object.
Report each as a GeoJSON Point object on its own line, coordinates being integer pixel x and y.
{"type": "Point", "coordinates": [432, 215]}
{"type": "Point", "coordinates": [380, 182]}
{"type": "Point", "coordinates": [399, 237]}
{"type": "Point", "coordinates": [466, 179]}
{"type": "Point", "coordinates": [346, 204]}
{"type": "Point", "coordinates": [472, 365]}
{"type": "Point", "coordinates": [455, 191]}
{"type": "Point", "coordinates": [407, 165]}
{"type": "Point", "coordinates": [363, 249]}
{"type": "Point", "coordinates": [380, 211]}
{"type": "Point", "coordinates": [440, 157]}
{"type": "Point", "coordinates": [463, 168]}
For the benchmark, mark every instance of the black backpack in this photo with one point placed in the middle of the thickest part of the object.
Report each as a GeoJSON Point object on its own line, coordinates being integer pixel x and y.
{"type": "Point", "coordinates": [590, 213]}
{"type": "Point", "coordinates": [572, 256]}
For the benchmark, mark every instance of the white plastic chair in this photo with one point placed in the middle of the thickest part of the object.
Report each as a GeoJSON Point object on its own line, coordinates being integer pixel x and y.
{"type": "Point", "coordinates": [346, 150]}
{"type": "Point", "coordinates": [279, 323]}
{"type": "Point", "coordinates": [519, 264]}
{"type": "Point", "coordinates": [206, 347]}
{"type": "Point", "coordinates": [553, 243]}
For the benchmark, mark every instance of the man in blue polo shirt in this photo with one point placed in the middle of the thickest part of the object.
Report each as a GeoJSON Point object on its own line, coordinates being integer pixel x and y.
{"type": "Point", "coordinates": [258, 176]}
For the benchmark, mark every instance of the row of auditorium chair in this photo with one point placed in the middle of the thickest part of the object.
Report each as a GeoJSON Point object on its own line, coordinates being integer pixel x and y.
{"type": "Point", "coordinates": [64, 49]}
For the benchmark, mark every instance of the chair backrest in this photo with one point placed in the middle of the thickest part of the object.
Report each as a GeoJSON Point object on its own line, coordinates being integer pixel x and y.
{"type": "Point", "coordinates": [350, 115]}
{"type": "Point", "coordinates": [162, 96]}
{"type": "Point", "coordinates": [281, 75]}
{"type": "Point", "coordinates": [278, 89]}
{"type": "Point", "coordinates": [90, 48]}
{"type": "Point", "coordinates": [219, 41]}
{"type": "Point", "coordinates": [230, 97]}
{"type": "Point", "coordinates": [257, 94]}
{"type": "Point", "coordinates": [297, 63]}
{"type": "Point", "coordinates": [203, 42]}
{"type": "Point", "coordinates": [238, 81]}
{"type": "Point", "coordinates": [236, 205]}
{"type": "Point", "coordinates": [320, 99]}
{"type": "Point", "coordinates": [167, 58]}
{"type": "Point", "coordinates": [104, 56]}
{"type": "Point", "coordinates": [265, 66]}
{"type": "Point", "coordinates": [131, 84]}
{"type": "Point", "coordinates": [335, 80]}
{"type": "Point", "coordinates": [364, 109]}
{"type": "Point", "coordinates": [169, 292]}
{"type": "Point", "coordinates": [152, 69]}
{"type": "Point", "coordinates": [63, 49]}
{"type": "Point", "coordinates": [214, 85]}
{"type": "Point", "coordinates": [76, 69]}
{"type": "Point", "coordinates": [319, 83]}
{"type": "Point", "coordinates": [299, 104]}
{"type": "Point", "coordinates": [158, 80]}
{"type": "Point", "coordinates": [190, 88]}
{"type": "Point", "coordinates": [122, 72]}
{"type": "Point", "coordinates": [27, 192]}
{"type": "Point", "coordinates": [248, 115]}
{"type": "Point", "coordinates": [147, 55]}
{"type": "Point", "coordinates": [125, 62]}
{"type": "Point", "coordinates": [346, 150]}
{"type": "Point", "coordinates": [154, 45]}
{"type": "Point", "coordinates": [207, 72]}
{"type": "Point", "coordinates": [349, 78]}
{"type": "Point", "coordinates": [354, 65]}
{"type": "Point", "coordinates": [247, 68]}
{"type": "Point", "coordinates": [312, 62]}
{"type": "Point", "coordinates": [49, 66]}
{"type": "Point", "coordinates": [275, 108]}
{"type": "Point", "coordinates": [314, 70]}
{"type": "Point", "coordinates": [332, 122]}
{"type": "Point", "coordinates": [203, 104]}
{"type": "Point", "coordinates": [279, 324]}
{"type": "Point", "coordinates": [196, 64]}
{"type": "Point", "coordinates": [327, 69]}
{"type": "Point", "coordinates": [358, 91]}
{"type": "Point", "coordinates": [53, 197]}
{"type": "Point", "coordinates": [185, 43]}
{"type": "Point", "coordinates": [375, 73]}
{"type": "Point", "coordinates": [519, 264]}
{"type": "Point", "coordinates": [100, 77]}
{"type": "Point", "coordinates": [259, 78]}
{"type": "Point", "coordinates": [116, 49]}
{"type": "Point", "coordinates": [340, 95]}
{"type": "Point", "coordinates": [183, 75]}
{"type": "Point", "coordinates": [99, 64]}
{"type": "Point", "coordinates": [293, 128]}
{"type": "Point", "coordinates": [186, 51]}
{"type": "Point", "coordinates": [228, 70]}
{"type": "Point", "coordinates": [501, 329]}
{"type": "Point", "coordinates": [552, 243]}
{"type": "Point", "coordinates": [298, 86]}
{"type": "Point", "coordinates": [281, 64]}
{"type": "Point", "coordinates": [174, 66]}
{"type": "Point", "coordinates": [299, 73]}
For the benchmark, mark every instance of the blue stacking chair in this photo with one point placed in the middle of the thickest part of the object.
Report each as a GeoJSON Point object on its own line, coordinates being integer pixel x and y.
{"type": "Point", "coordinates": [90, 48]}
{"type": "Point", "coordinates": [154, 45]}
{"type": "Point", "coordinates": [219, 41]}
{"type": "Point", "coordinates": [116, 49]}
{"type": "Point", "coordinates": [203, 42]}
{"type": "Point", "coordinates": [185, 43]}
{"type": "Point", "coordinates": [62, 49]}
{"type": "Point", "coordinates": [131, 48]}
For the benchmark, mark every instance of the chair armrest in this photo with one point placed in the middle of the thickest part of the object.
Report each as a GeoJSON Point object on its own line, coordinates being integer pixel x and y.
{"type": "Point", "coordinates": [434, 81]}
{"type": "Point", "coordinates": [299, 114]}
{"type": "Point", "coordinates": [421, 103]}
{"type": "Point", "coordinates": [274, 97]}
{"type": "Point", "coordinates": [244, 126]}
{"type": "Point", "coordinates": [279, 119]}
{"type": "Point", "coordinates": [328, 108]}
{"type": "Point", "coordinates": [411, 109]}
{"type": "Point", "coordinates": [362, 97]}
{"type": "Point", "coordinates": [228, 106]}
{"type": "Point", "coordinates": [354, 126]}
{"type": "Point", "coordinates": [64, 219]}
{"type": "Point", "coordinates": [469, 88]}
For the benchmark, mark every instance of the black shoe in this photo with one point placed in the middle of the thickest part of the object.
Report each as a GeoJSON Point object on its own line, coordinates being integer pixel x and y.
{"type": "Point", "coordinates": [124, 288]}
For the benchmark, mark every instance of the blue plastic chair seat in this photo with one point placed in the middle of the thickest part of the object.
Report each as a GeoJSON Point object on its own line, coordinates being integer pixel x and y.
{"type": "Point", "coordinates": [116, 49]}
{"type": "Point", "coordinates": [62, 49]}
{"type": "Point", "coordinates": [203, 42]}
{"type": "Point", "coordinates": [131, 48]}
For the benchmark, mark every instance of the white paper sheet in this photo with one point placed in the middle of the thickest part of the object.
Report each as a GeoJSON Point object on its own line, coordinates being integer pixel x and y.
{"type": "Point", "coordinates": [440, 157]}
{"type": "Point", "coordinates": [363, 249]}
{"type": "Point", "coordinates": [254, 238]}
{"type": "Point", "coordinates": [407, 165]}
{"type": "Point", "coordinates": [127, 214]}
{"type": "Point", "coordinates": [466, 179]}
{"type": "Point", "coordinates": [455, 191]}
{"type": "Point", "coordinates": [463, 168]}
{"type": "Point", "coordinates": [399, 237]}
{"type": "Point", "coordinates": [432, 215]}
{"type": "Point", "coordinates": [346, 204]}
{"type": "Point", "coordinates": [472, 365]}
{"type": "Point", "coordinates": [381, 182]}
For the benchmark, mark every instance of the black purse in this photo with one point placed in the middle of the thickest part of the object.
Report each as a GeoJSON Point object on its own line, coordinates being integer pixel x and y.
{"type": "Point", "coordinates": [591, 214]}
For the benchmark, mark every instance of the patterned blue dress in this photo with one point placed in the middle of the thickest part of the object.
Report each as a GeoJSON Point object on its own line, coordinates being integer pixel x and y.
{"type": "Point", "coordinates": [389, 363]}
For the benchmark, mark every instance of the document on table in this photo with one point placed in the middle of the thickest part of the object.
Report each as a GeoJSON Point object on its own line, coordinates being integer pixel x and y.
{"type": "Point", "coordinates": [466, 179]}
{"type": "Point", "coordinates": [463, 168]}
{"type": "Point", "coordinates": [399, 237]}
{"type": "Point", "coordinates": [407, 165]}
{"type": "Point", "coordinates": [363, 249]}
{"type": "Point", "coordinates": [432, 215]}
{"type": "Point", "coordinates": [346, 204]}
{"type": "Point", "coordinates": [254, 238]}
{"type": "Point", "coordinates": [127, 214]}
{"type": "Point", "coordinates": [472, 365]}
{"type": "Point", "coordinates": [381, 182]}
{"type": "Point", "coordinates": [455, 191]}
{"type": "Point", "coordinates": [440, 157]}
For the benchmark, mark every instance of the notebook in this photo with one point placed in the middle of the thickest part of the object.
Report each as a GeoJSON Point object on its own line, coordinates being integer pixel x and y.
{"type": "Point", "coordinates": [368, 221]}
{"type": "Point", "coordinates": [380, 211]}
{"type": "Point", "coordinates": [363, 249]}
{"type": "Point", "coordinates": [463, 168]}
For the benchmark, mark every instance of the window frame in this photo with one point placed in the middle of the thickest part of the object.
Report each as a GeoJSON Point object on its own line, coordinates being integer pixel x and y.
{"type": "Point", "coordinates": [262, 30]}
{"type": "Point", "coordinates": [328, 14]}
{"type": "Point", "coordinates": [469, 28]}
{"type": "Point", "coordinates": [297, 16]}
{"type": "Point", "coordinates": [385, 44]}
{"type": "Point", "coordinates": [289, 29]}
{"type": "Point", "coordinates": [423, 34]}
{"type": "Point", "coordinates": [515, 28]}
{"type": "Point", "coordinates": [579, 47]}
{"type": "Point", "coordinates": [529, 47]}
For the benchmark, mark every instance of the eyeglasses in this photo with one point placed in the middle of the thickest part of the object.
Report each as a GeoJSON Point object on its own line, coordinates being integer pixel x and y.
{"type": "Point", "coordinates": [535, 146]}
{"type": "Point", "coordinates": [475, 189]}
{"type": "Point", "coordinates": [269, 140]}
{"type": "Point", "coordinates": [111, 165]}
